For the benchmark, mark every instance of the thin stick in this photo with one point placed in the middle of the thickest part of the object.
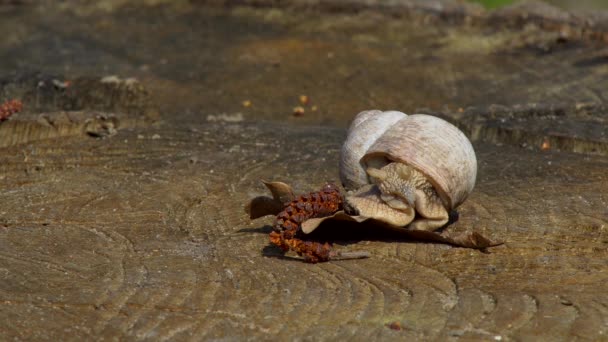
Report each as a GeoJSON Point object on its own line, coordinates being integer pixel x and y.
{"type": "Point", "coordinates": [349, 255]}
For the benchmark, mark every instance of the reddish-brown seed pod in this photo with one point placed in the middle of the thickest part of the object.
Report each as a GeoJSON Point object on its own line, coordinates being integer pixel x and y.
{"type": "Point", "coordinates": [287, 228]}
{"type": "Point", "coordinates": [315, 204]}
{"type": "Point", "coordinates": [312, 251]}
{"type": "Point", "coordinates": [9, 108]}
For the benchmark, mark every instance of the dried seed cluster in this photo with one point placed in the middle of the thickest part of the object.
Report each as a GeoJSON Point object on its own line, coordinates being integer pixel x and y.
{"type": "Point", "coordinates": [9, 108]}
{"type": "Point", "coordinates": [315, 204]}
{"type": "Point", "coordinates": [287, 228]}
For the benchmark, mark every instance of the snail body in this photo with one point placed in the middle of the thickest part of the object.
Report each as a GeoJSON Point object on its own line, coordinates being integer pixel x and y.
{"type": "Point", "coordinates": [406, 170]}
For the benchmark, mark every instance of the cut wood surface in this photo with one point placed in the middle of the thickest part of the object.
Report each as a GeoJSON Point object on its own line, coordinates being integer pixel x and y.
{"type": "Point", "coordinates": [122, 212]}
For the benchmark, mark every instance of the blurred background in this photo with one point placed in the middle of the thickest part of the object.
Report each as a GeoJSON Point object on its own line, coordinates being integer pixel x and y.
{"type": "Point", "coordinates": [567, 4]}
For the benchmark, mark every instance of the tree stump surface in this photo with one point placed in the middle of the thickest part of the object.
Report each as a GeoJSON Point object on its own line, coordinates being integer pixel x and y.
{"type": "Point", "coordinates": [122, 196]}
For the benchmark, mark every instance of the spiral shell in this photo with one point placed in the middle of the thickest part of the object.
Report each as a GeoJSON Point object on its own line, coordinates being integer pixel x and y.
{"type": "Point", "coordinates": [430, 146]}
{"type": "Point", "coordinates": [367, 127]}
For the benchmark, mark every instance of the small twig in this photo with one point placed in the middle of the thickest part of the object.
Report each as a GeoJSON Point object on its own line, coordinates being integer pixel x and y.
{"type": "Point", "coordinates": [335, 255]}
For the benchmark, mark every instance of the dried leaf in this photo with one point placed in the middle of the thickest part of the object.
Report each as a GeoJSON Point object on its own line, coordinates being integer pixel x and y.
{"type": "Point", "coordinates": [310, 225]}
{"type": "Point", "coordinates": [472, 240]}
{"type": "Point", "coordinates": [263, 206]}
{"type": "Point", "coordinates": [466, 239]}
{"type": "Point", "coordinates": [280, 191]}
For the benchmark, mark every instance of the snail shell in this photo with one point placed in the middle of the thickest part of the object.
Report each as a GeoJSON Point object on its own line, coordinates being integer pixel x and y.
{"type": "Point", "coordinates": [396, 166]}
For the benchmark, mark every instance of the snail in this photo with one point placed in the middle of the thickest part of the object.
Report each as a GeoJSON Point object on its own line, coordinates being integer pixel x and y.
{"type": "Point", "coordinates": [406, 170]}
{"type": "Point", "coordinates": [403, 170]}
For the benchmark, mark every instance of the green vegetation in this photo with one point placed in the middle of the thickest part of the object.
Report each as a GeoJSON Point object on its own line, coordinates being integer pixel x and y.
{"type": "Point", "coordinates": [494, 3]}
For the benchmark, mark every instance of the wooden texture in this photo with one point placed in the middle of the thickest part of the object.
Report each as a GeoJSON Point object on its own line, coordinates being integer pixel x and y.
{"type": "Point", "coordinates": [140, 233]}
